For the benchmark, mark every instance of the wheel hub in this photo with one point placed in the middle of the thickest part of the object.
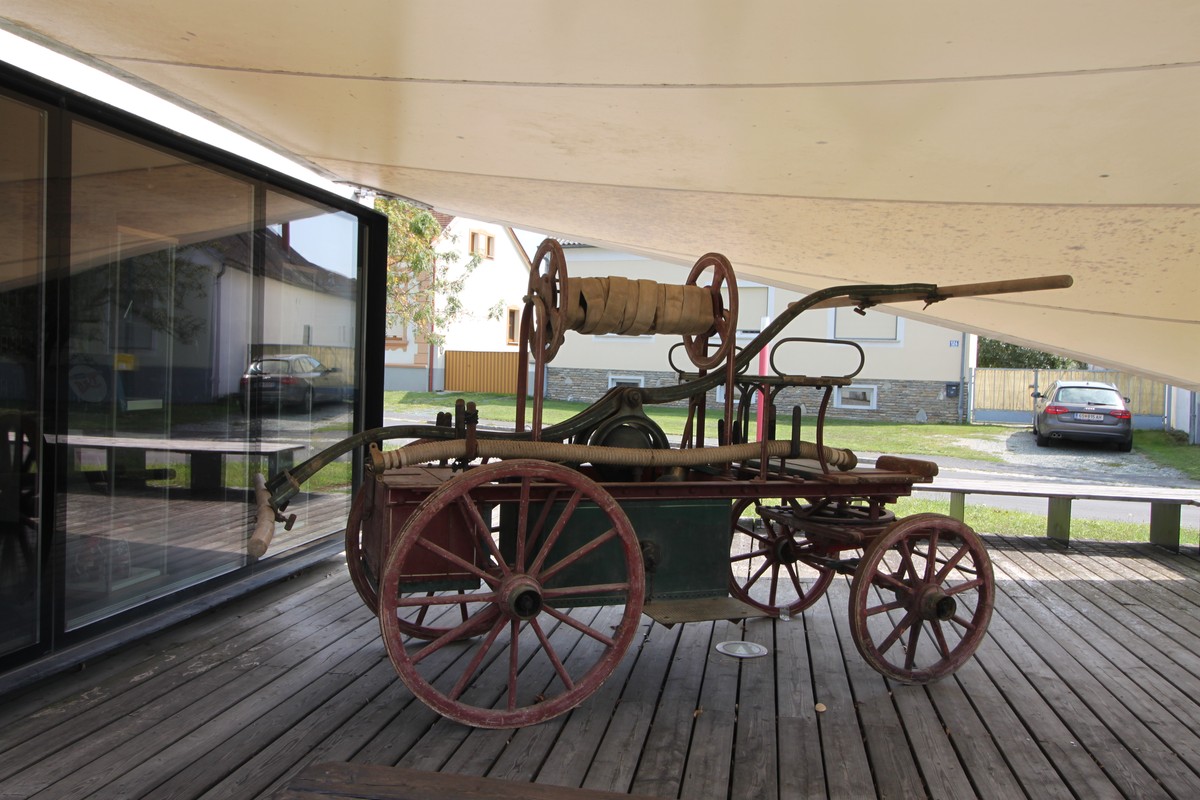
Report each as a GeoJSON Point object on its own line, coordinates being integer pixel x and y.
{"type": "Point", "coordinates": [934, 604]}
{"type": "Point", "coordinates": [785, 550]}
{"type": "Point", "coordinates": [522, 597]}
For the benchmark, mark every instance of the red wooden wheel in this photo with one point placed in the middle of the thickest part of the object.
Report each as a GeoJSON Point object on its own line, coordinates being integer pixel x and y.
{"type": "Point", "coordinates": [724, 326]}
{"type": "Point", "coordinates": [547, 292]}
{"type": "Point", "coordinates": [773, 565]}
{"type": "Point", "coordinates": [564, 547]}
{"type": "Point", "coordinates": [921, 598]}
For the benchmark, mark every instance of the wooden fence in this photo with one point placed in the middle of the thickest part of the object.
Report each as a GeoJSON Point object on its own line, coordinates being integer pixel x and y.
{"type": "Point", "coordinates": [468, 371]}
{"type": "Point", "coordinates": [1009, 389]}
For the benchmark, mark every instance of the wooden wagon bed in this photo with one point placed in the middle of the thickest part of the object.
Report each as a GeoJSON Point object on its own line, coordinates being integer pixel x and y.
{"type": "Point", "coordinates": [1088, 685]}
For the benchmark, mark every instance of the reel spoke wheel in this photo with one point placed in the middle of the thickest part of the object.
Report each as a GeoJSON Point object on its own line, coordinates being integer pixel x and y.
{"type": "Point", "coordinates": [724, 327]}
{"type": "Point", "coordinates": [548, 285]}
{"type": "Point", "coordinates": [564, 548]}
{"type": "Point", "coordinates": [921, 598]}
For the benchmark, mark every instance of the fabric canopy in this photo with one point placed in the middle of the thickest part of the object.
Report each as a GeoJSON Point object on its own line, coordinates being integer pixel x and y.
{"type": "Point", "coordinates": [812, 143]}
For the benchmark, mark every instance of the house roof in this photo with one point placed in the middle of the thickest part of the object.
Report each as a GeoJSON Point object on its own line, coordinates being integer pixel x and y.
{"type": "Point", "coordinates": [813, 144]}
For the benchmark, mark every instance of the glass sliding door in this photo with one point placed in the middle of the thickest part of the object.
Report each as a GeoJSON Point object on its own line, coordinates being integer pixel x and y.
{"type": "Point", "coordinates": [300, 386]}
{"type": "Point", "coordinates": [158, 244]}
{"type": "Point", "coordinates": [22, 308]}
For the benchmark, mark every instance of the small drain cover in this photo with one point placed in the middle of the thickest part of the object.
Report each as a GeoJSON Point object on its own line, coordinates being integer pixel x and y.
{"type": "Point", "coordinates": [741, 649]}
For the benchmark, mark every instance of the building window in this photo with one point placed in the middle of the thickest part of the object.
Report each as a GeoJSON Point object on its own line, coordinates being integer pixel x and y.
{"type": "Point", "coordinates": [513, 334]}
{"type": "Point", "coordinates": [626, 380]}
{"type": "Point", "coordinates": [870, 327]}
{"type": "Point", "coordinates": [855, 397]}
{"type": "Point", "coordinates": [483, 244]}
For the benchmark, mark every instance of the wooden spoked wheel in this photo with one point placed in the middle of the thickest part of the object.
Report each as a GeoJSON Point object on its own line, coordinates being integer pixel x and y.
{"type": "Point", "coordinates": [724, 328]}
{"type": "Point", "coordinates": [421, 622]}
{"type": "Point", "coordinates": [773, 565]}
{"type": "Point", "coordinates": [921, 598]}
{"type": "Point", "coordinates": [547, 292]}
{"type": "Point", "coordinates": [563, 550]}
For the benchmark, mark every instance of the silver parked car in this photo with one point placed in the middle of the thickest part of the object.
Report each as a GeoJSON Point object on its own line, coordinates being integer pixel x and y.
{"type": "Point", "coordinates": [292, 380]}
{"type": "Point", "coordinates": [1086, 411]}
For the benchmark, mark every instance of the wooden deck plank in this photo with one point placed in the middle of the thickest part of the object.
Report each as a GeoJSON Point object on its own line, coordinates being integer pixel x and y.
{"type": "Point", "coordinates": [708, 761]}
{"type": "Point", "coordinates": [660, 770]}
{"type": "Point", "coordinates": [1086, 686]}
{"type": "Point", "coordinates": [755, 755]}
{"type": "Point", "coordinates": [847, 767]}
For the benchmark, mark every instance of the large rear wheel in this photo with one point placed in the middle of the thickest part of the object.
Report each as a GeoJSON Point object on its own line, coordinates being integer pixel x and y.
{"type": "Point", "coordinates": [564, 549]}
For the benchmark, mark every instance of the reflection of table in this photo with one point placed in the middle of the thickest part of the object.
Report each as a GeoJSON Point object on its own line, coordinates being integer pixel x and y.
{"type": "Point", "coordinates": [126, 455]}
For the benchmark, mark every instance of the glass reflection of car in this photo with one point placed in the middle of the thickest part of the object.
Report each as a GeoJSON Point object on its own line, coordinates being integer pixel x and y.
{"type": "Point", "coordinates": [1085, 411]}
{"type": "Point", "coordinates": [299, 381]}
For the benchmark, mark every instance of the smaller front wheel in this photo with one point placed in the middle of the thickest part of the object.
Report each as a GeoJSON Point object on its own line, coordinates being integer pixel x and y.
{"type": "Point", "coordinates": [921, 598]}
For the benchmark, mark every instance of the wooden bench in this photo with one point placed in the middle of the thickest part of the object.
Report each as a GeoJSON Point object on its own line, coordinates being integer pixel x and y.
{"type": "Point", "coordinates": [373, 782]}
{"type": "Point", "coordinates": [126, 455]}
{"type": "Point", "coordinates": [1165, 504]}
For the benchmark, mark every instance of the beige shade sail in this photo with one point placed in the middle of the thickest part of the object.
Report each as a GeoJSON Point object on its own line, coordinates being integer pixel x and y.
{"type": "Point", "coordinates": [812, 143]}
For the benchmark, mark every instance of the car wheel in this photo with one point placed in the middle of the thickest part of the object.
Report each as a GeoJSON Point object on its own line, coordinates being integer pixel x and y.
{"type": "Point", "coordinates": [1125, 445]}
{"type": "Point", "coordinates": [307, 402]}
{"type": "Point", "coordinates": [1042, 441]}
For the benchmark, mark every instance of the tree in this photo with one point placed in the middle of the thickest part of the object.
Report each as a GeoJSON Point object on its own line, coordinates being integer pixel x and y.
{"type": "Point", "coordinates": [423, 283]}
{"type": "Point", "coordinates": [995, 353]}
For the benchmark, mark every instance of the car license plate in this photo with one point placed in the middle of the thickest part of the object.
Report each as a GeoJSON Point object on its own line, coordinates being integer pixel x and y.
{"type": "Point", "coordinates": [1090, 417]}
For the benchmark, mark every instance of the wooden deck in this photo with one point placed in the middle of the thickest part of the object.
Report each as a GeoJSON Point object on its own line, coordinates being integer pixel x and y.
{"type": "Point", "coordinates": [1088, 686]}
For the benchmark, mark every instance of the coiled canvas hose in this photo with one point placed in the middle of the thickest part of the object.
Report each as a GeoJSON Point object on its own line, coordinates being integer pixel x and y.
{"type": "Point", "coordinates": [590, 454]}
{"type": "Point", "coordinates": [637, 307]}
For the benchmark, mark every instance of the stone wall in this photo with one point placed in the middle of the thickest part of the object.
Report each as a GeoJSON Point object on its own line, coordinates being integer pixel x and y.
{"type": "Point", "coordinates": [894, 400]}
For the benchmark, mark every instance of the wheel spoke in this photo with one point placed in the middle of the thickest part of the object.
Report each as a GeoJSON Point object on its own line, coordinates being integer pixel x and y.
{"type": "Point", "coordinates": [754, 578]}
{"type": "Point", "coordinates": [959, 588]}
{"type": "Point", "coordinates": [552, 655]}
{"type": "Point", "coordinates": [910, 658]}
{"type": "Point", "coordinates": [906, 562]}
{"type": "Point", "coordinates": [538, 526]}
{"type": "Point", "coordinates": [579, 554]}
{"type": "Point", "coordinates": [931, 557]}
{"type": "Point", "coordinates": [432, 599]}
{"type": "Point", "coordinates": [483, 531]}
{"type": "Point", "coordinates": [555, 532]}
{"type": "Point", "coordinates": [522, 524]}
{"type": "Point", "coordinates": [870, 612]}
{"type": "Point", "coordinates": [451, 635]}
{"type": "Point", "coordinates": [579, 626]}
{"type": "Point", "coordinates": [886, 581]}
{"type": "Point", "coordinates": [940, 636]}
{"type": "Point", "coordinates": [458, 561]}
{"type": "Point", "coordinates": [774, 584]}
{"type": "Point", "coordinates": [791, 571]}
{"type": "Point", "coordinates": [952, 563]}
{"type": "Point", "coordinates": [750, 555]}
{"type": "Point", "coordinates": [476, 660]}
{"type": "Point", "coordinates": [900, 628]}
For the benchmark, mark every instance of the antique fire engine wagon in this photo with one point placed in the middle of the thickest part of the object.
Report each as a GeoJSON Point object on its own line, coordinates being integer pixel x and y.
{"type": "Point", "coordinates": [510, 570]}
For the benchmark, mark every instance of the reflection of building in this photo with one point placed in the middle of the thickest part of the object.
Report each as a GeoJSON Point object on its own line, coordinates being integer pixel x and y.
{"type": "Point", "coordinates": [177, 335]}
{"type": "Point", "coordinates": [134, 289]}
